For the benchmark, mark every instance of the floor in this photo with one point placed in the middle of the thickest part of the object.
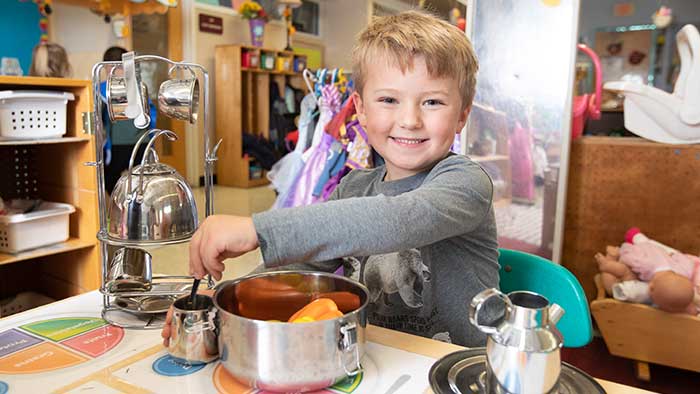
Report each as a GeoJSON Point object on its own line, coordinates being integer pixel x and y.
{"type": "Point", "coordinates": [172, 260]}
{"type": "Point", "coordinates": [593, 358]}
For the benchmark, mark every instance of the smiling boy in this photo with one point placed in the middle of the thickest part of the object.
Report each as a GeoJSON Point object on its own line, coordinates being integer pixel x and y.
{"type": "Point", "coordinates": [419, 231]}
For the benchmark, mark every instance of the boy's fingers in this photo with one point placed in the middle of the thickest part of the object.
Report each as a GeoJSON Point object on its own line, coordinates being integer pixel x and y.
{"type": "Point", "coordinates": [210, 259]}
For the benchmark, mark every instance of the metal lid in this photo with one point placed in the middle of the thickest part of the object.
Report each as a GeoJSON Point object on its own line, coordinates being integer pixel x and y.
{"type": "Point", "coordinates": [461, 372]}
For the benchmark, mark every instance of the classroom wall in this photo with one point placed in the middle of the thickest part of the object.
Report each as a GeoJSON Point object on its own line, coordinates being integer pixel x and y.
{"type": "Point", "coordinates": [341, 21]}
{"type": "Point", "coordinates": [84, 35]}
{"type": "Point", "coordinates": [19, 29]}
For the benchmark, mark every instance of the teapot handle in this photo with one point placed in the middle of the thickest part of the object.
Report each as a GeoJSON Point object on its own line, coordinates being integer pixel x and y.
{"type": "Point", "coordinates": [478, 302]}
{"type": "Point", "coordinates": [172, 136]}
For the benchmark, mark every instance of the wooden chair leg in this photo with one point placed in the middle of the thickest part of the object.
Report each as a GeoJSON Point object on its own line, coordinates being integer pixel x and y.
{"type": "Point", "coordinates": [641, 370]}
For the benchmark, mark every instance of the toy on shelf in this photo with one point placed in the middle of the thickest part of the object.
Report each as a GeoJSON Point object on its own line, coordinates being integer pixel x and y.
{"type": "Point", "coordinates": [646, 271]}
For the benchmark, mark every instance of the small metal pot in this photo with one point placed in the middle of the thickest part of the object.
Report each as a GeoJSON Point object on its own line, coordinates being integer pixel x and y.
{"type": "Point", "coordinates": [193, 332]}
{"type": "Point", "coordinates": [152, 202]}
{"type": "Point", "coordinates": [129, 270]}
{"type": "Point", "coordinates": [288, 357]}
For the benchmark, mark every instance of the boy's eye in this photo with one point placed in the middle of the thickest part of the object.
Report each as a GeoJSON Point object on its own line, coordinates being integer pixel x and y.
{"type": "Point", "coordinates": [432, 102]}
{"type": "Point", "coordinates": [387, 100]}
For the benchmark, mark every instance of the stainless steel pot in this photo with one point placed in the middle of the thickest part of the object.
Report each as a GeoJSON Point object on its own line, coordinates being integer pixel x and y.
{"type": "Point", "coordinates": [193, 334]}
{"type": "Point", "coordinates": [289, 357]}
{"type": "Point", "coordinates": [129, 270]}
{"type": "Point", "coordinates": [152, 202]}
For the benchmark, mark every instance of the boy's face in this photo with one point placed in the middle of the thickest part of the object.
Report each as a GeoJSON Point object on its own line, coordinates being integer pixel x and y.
{"type": "Point", "coordinates": [411, 118]}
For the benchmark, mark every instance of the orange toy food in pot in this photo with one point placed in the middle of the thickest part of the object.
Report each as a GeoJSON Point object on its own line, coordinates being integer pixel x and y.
{"type": "Point", "coordinates": [319, 309]}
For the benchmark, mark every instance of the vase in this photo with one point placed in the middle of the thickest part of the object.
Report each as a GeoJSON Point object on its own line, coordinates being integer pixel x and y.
{"type": "Point", "coordinates": [257, 31]}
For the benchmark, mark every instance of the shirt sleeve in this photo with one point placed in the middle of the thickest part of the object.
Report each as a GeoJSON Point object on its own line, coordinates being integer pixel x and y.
{"type": "Point", "coordinates": [453, 200]}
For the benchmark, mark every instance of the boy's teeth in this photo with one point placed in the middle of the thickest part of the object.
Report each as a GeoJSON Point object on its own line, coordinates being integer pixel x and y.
{"type": "Point", "coordinates": [408, 140]}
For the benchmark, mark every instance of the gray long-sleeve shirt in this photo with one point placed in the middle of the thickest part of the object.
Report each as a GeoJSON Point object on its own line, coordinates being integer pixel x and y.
{"type": "Point", "coordinates": [424, 245]}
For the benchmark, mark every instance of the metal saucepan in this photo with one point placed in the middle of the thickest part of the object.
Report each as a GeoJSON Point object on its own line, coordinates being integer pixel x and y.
{"type": "Point", "coordinates": [289, 357]}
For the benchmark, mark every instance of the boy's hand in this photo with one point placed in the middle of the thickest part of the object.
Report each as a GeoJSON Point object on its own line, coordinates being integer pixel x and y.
{"type": "Point", "coordinates": [218, 238]}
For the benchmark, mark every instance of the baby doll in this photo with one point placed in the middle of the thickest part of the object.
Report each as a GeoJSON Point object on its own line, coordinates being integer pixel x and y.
{"type": "Point", "coordinates": [49, 60]}
{"type": "Point", "coordinates": [671, 276]}
{"type": "Point", "coordinates": [643, 270]}
{"type": "Point", "coordinates": [618, 279]}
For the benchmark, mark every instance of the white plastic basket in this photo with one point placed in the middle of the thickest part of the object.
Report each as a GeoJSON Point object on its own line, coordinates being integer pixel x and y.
{"type": "Point", "coordinates": [47, 224]}
{"type": "Point", "coordinates": [33, 114]}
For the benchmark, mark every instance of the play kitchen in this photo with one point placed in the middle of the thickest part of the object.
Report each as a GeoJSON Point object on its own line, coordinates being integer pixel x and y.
{"type": "Point", "coordinates": [151, 204]}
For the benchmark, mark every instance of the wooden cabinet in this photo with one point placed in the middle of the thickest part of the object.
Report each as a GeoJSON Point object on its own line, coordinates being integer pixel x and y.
{"type": "Point", "coordinates": [619, 183]}
{"type": "Point", "coordinates": [243, 78]}
{"type": "Point", "coordinates": [54, 170]}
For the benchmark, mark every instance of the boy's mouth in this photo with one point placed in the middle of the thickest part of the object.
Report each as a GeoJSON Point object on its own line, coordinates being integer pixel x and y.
{"type": "Point", "coordinates": [408, 141]}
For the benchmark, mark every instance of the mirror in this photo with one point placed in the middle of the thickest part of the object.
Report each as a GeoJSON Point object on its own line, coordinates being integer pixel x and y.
{"type": "Point", "coordinates": [519, 128]}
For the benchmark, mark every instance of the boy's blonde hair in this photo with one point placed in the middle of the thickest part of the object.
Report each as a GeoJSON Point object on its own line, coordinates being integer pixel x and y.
{"type": "Point", "coordinates": [399, 38]}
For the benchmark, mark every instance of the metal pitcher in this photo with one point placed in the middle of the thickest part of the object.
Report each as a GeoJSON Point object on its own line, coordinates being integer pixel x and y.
{"type": "Point", "coordinates": [523, 348]}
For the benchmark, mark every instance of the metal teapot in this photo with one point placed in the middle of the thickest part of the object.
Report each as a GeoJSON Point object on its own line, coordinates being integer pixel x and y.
{"type": "Point", "coordinates": [151, 202]}
{"type": "Point", "coordinates": [523, 348]}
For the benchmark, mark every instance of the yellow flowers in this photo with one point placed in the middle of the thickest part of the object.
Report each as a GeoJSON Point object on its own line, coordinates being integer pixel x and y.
{"type": "Point", "coordinates": [252, 10]}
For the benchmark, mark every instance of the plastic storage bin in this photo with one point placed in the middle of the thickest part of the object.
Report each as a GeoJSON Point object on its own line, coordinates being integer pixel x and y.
{"type": "Point", "coordinates": [47, 224]}
{"type": "Point", "coordinates": [33, 114]}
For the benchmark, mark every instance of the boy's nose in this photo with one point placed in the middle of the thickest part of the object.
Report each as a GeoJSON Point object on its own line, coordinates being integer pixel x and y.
{"type": "Point", "coordinates": [410, 118]}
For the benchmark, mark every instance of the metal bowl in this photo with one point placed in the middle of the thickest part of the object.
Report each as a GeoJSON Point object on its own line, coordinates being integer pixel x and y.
{"type": "Point", "coordinates": [290, 357]}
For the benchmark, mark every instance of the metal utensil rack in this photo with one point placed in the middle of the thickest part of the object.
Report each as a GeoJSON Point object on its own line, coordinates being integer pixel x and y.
{"type": "Point", "coordinates": [162, 285]}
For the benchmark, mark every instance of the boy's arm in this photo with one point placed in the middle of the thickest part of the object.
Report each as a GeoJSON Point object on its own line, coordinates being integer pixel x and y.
{"type": "Point", "coordinates": [452, 201]}
{"type": "Point", "coordinates": [330, 265]}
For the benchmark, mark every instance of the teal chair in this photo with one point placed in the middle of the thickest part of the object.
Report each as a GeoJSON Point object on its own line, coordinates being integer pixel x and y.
{"type": "Point", "coordinates": [524, 271]}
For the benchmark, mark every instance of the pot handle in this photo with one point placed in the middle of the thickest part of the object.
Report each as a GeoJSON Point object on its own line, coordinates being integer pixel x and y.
{"type": "Point", "coordinates": [176, 67]}
{"type": "Point", "coordinates": [478, 302]}
{"type": "Point", "coordinates": [209, 325]}
{"type": "Point", "coordinates": [348, 345]}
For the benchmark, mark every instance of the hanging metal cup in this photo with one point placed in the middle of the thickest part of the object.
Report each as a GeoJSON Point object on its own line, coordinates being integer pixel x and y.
{"type": "Point", "coordinates": [179, 98]}
{"type": "Point", "coordinates": [117, 98]}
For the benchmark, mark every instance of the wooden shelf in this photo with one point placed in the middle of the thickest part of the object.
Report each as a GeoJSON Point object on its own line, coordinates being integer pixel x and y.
{"type": "Point", "coordinates": [258, 182]}
{"type": "Point", "coordinates": [55, 168]}
{"type": "Point", "coordinates": [63, 140]}
{"type": "Point", "coordinates": [276, 72]}
{"type": "Point", "coordinates": [69, 245]}
{"type": "Point", "coordinates": [243, 105]}
{"type": "Point", "coordinates": [482, 159]}
{"type": "Point", "coordinates": [42, 81]}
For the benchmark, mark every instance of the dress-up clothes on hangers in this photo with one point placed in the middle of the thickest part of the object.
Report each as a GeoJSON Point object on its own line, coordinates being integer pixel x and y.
{"type": "Point", "coordinates": [301, 191]}
{"type": "Point", "coordinates": [285, 171]}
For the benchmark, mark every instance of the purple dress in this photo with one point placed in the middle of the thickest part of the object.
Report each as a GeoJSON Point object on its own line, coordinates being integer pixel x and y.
{"type": "Point", "coordinates": [301, 192]}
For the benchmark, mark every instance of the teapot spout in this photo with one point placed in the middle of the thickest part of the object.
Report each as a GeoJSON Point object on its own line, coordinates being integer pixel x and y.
{"type": "Point", "coordinates": [555, 313]}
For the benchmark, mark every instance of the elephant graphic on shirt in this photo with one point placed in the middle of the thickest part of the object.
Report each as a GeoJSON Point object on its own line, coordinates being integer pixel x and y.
{"type": "Point", "coordinates": [403, 273]}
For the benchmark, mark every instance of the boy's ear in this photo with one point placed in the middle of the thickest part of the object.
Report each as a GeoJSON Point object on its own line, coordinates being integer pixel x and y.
{"type": "Point", "coordinates": [463, 116]}
{"type": "Point", "coordinates": [359, 108]}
